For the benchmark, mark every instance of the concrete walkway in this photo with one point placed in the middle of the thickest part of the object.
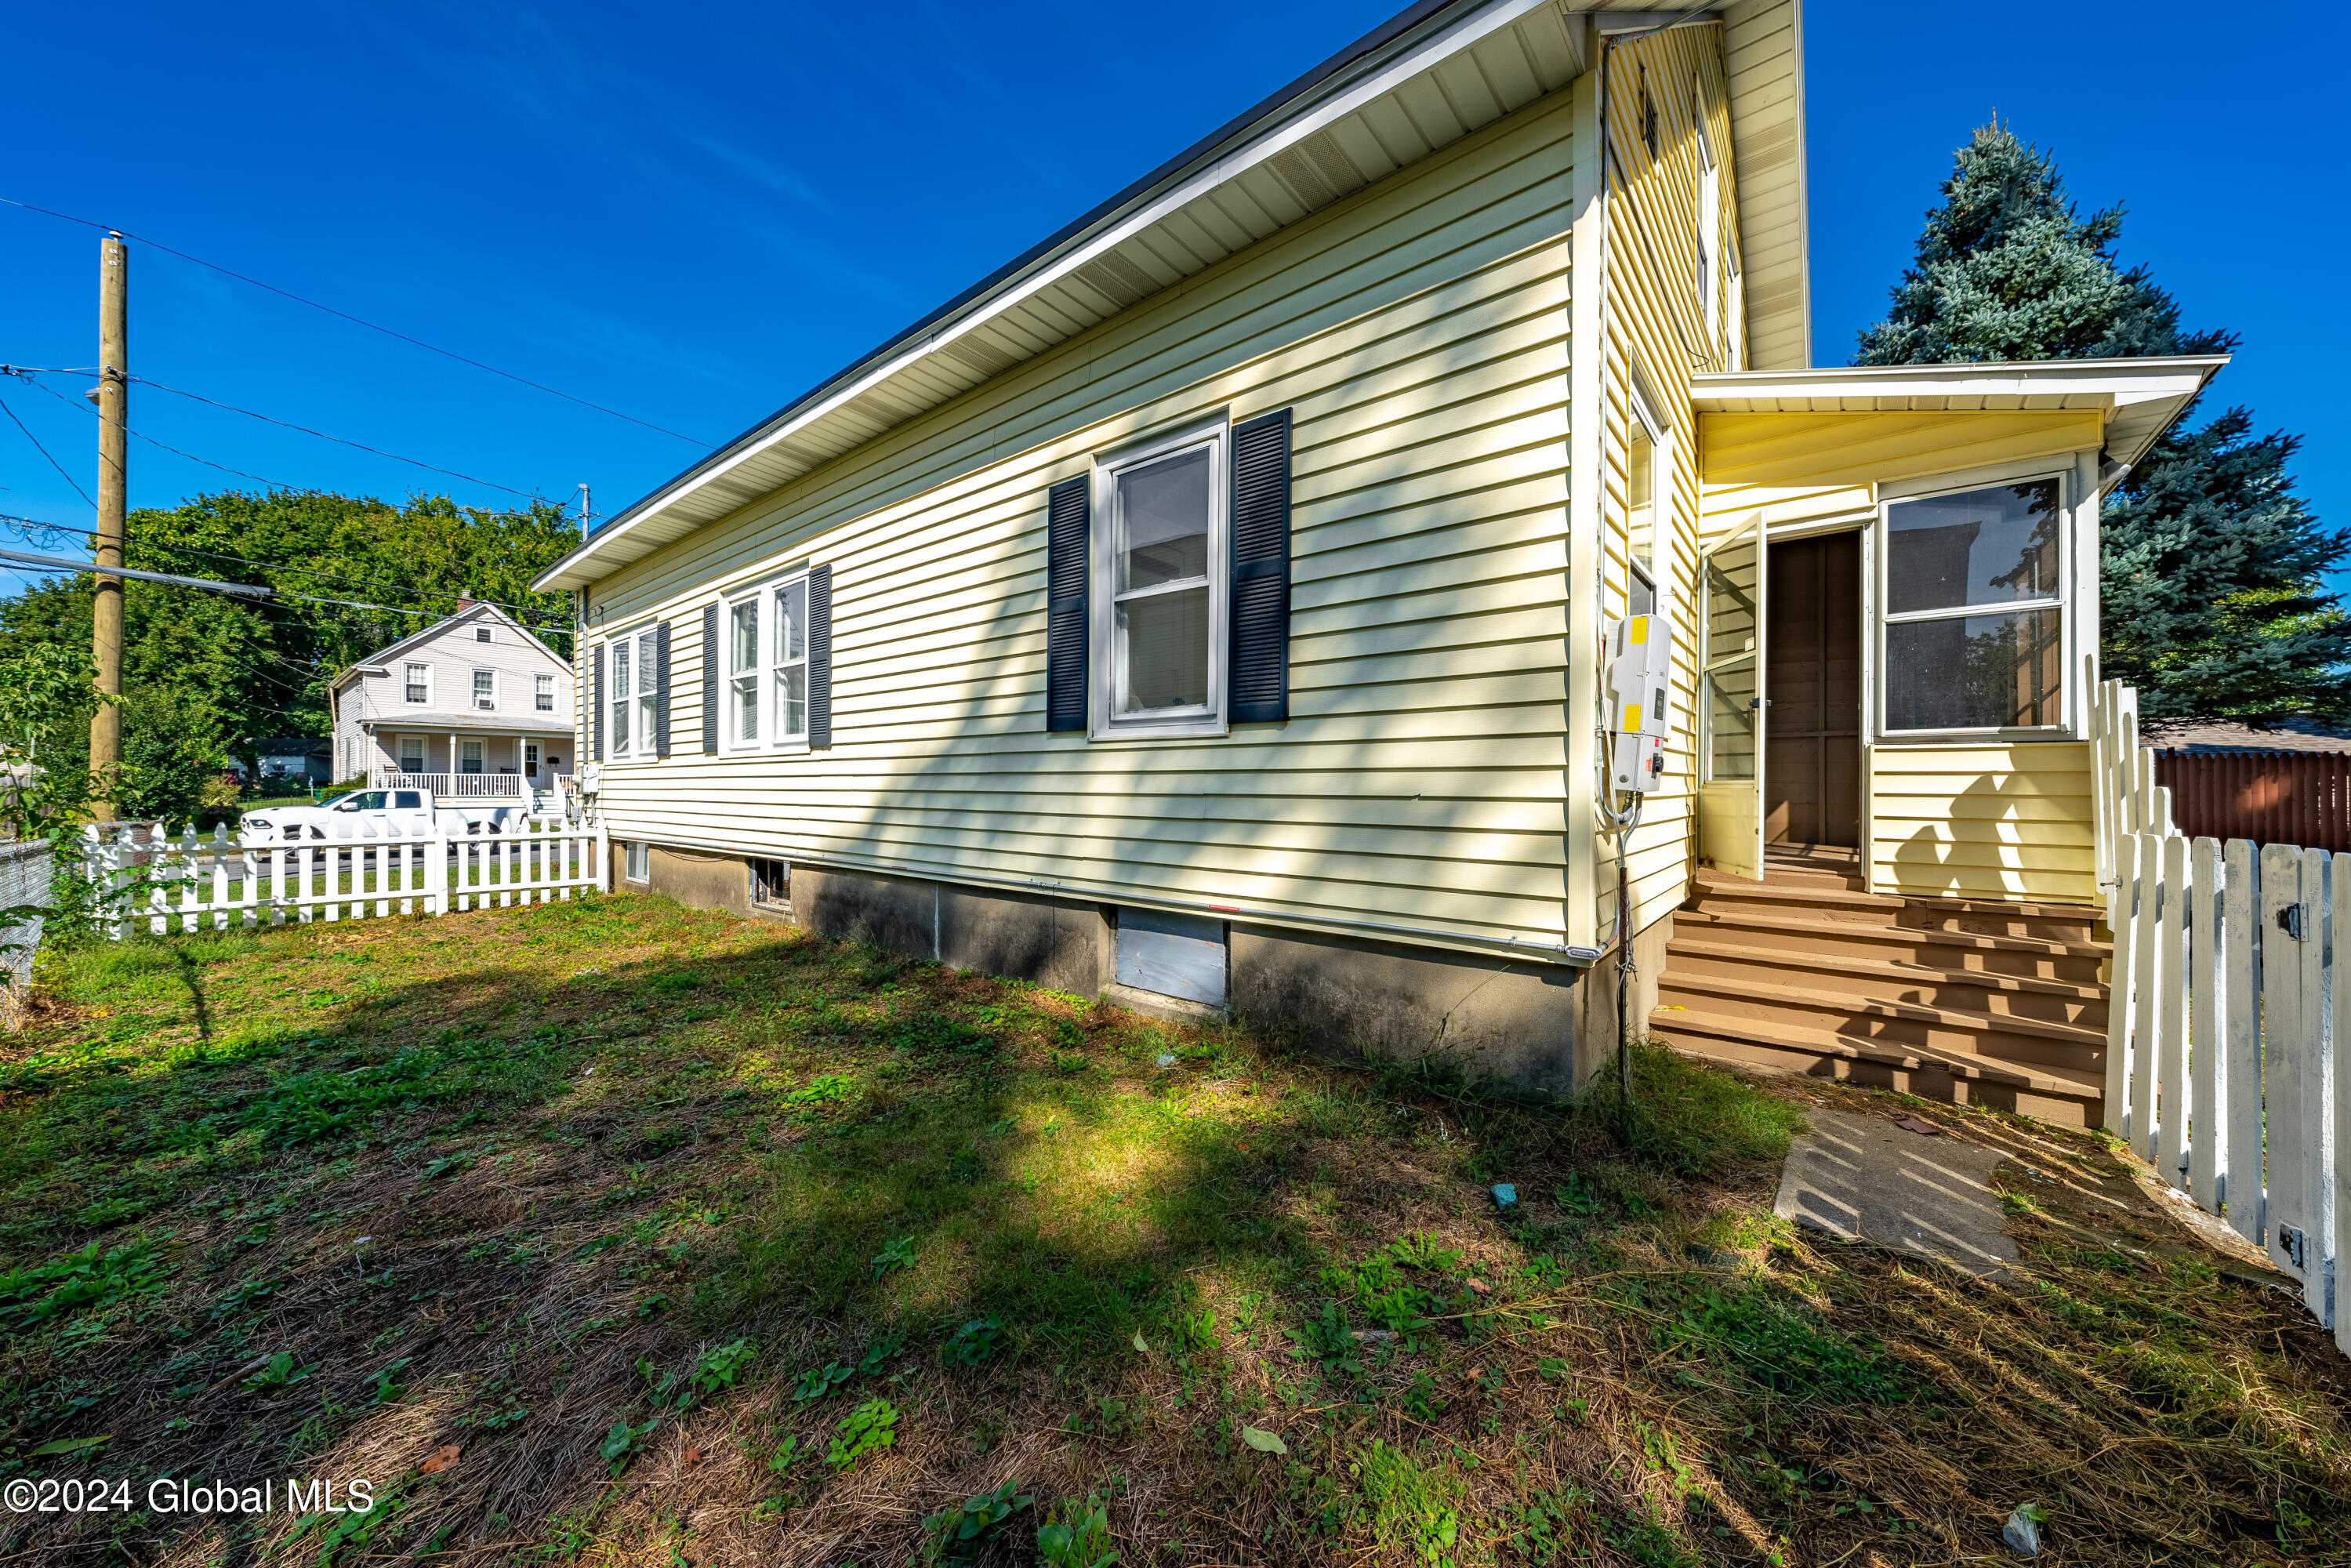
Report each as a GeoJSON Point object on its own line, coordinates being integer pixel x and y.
{"type": "Point", "coordinates": [1865, 1178]}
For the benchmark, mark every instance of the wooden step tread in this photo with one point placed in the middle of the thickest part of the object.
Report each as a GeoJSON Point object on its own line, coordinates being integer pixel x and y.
{"type": "Point", "coordinates": [1975, 940]}
{"type": "Point", "coordinates": [1782, 960]}
{"type": "Point", "coordinates": [2041, 1077]}
{"type": "Point", "coordinates": [1878, 1007]}
{"type": "Point", "coordinates": [1714, 882]}
{"type": "Point", "coordinates": [1994, 906]}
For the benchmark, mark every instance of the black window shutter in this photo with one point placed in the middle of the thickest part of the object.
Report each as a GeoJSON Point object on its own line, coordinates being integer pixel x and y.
{"type": "Point", "coordinates": [1066, 525]}
{"type": "Point", "coordinates": [1259, 660]}
{"type": "Point", "coordinates": [709, 679]}
{"type": "Point", "coordinates": [660, 689]}
{"type": "Point", "coordinates": [596, 700]}
{"type": "Point", "coordinates": [819, 664]}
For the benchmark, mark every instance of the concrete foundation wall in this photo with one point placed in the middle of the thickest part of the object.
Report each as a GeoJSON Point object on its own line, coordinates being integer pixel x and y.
{"type": "Point", "coordinates": [1540, 1027]}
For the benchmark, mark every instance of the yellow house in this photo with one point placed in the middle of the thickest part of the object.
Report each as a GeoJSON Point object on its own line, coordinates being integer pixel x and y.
{"type": "Point", "coordinates": [1213, 607]}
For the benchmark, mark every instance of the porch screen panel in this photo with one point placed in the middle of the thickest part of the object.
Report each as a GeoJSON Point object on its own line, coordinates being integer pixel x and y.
{"type": "Point", "coordinates": [1733, 672]}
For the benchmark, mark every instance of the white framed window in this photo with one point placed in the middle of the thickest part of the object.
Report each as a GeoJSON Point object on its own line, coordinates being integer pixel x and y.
{"type": "Point", "coordinates": [1972, 623]}
{"type": "Point", "coordinates": [1649, 477]}
{"type": "Point", "coordinates": [637, 863]}
{"type": "Point", "coordinates": [412, 753]}
{"type": "Point", "coordinates": [619, 698]}
{"type": "Point", "coordinates": [485, 689]}
{"type": "Point", "coordinates": [767, 666]}
{"type": "Point", "coordinates": [416, 682]}
{"type": "Point", "coordinates": [542, 694]}
{"type": "Point", "coordinates": [469, 757]}
{"type": "Point", "coordinates": [481, 633]}
{"type": "Point", "coordinates": [1161, 566]}
{"type": "Point", "coordinates": [1709, 220]}
{"type": "Point", "coordinates": [633, 696]}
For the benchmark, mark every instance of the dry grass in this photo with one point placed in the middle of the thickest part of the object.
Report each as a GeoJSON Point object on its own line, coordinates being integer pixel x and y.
{"type": "Point", "coordinates": [594, 1149]}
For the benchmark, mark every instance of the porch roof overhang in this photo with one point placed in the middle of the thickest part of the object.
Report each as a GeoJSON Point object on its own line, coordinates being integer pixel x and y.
{"type": "Point", "coordinates": [533, 728]}
{"type": "Point", "coordinates": [2137, 399]}
{"type": "Point", "coordinates": [1428, 76]}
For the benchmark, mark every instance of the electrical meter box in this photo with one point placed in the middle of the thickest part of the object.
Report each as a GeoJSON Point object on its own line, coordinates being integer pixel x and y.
{"type": "Point", "coordinates": [1640, 675]}
{"type": "Point", "coordinates": [1637, 762]}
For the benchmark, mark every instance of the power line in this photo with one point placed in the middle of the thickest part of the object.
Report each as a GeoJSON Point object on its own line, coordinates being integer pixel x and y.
{"type": "Point", "coordinates": [27, 375]}
{"type": "Point", "coordinates": [347, 315]}
{"type": "Point", "coordinates": [306, 429]}
{"type": "Point", "coordinates": [549, 616]}
{"type": "Point", "coordinates": [45, 452]}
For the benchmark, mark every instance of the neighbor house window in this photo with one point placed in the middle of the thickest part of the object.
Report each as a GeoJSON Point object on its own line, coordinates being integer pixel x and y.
{"type": "Point", "coordinates": [1975, 608]}
{"type": "Point", "coordinates": [469, 757]}
{"type": "Point", "coordinates": [639, 864]}
{"type": "Point", "coordinates": [1160, 575]}
{"type": "Point", "coordinates": [767, 666]}
{"type": "Point", "coordinates": [486, 688]}
{"type": "Point", "coordinates": [412, 753]}
{"type": "Point", "coordinates": [542, 695]}
{"type": "Point", "coordinates": [416, 682]}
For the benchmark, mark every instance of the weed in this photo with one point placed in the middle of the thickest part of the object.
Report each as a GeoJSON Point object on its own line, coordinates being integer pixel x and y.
{"type": "Point", "coordinates": [877, 1355]}
{"type": "Point", "coordinates": [818, 1380]}
{"type": "Point", "coordinates": [1650, 1542]}
{"type": "Point", "coordinates": [1779, 1345]}
{"type": "Point", "coordinates": [1544, 1527]}
{"type": "Point", "coordinates": [868, 1429]}
{"type": "Point", "coordinates": [722, 1367]}
{"type": "Point", "coordinates": [623, 1440]}
{"type": "Point", "coordinates": [896, 1253]}
{"type": "Point", "coordinates": [973, 1342]}
{"type": "Point", "coordinates": [80, 1280]}
{"type": "Point", "coordinates": [1689, 1120]}
{"type": "Point", "coordinates": [280, 1372]}
{"type": "Point", "coordinates": [1077, 1534]}
{"type": "Point", "coordinates": [957, 1534]}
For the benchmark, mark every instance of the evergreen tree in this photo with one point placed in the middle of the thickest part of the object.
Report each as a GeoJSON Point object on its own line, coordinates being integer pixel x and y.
{"type": "Point", "coordinates": [2213, 571]}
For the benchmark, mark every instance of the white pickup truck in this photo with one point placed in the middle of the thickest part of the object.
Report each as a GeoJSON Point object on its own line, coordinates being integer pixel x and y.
{"type": "Point", "coordinates": [369, 812]}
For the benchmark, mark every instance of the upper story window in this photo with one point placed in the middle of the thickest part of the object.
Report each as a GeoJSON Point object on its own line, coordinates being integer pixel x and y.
{"type": "Point", "coordinates": [1160, 583]}
{"type": "Point", "coordinates": [542, 696]}
{"type": "Point", "coordinates": [416, 682]}
{"type": "Point", "coordinates": [486, 688]}
{"type": "Point", "coordinates": [1710, 226]}
{"type": "Point", "coordinates": [1974, 620]}
{"type": "Point", "coordinates": [1647, 440]}
{"type": "Point", "coordinates": [481, 633]}
{"type": "Point", "coordinates": [767, 664]}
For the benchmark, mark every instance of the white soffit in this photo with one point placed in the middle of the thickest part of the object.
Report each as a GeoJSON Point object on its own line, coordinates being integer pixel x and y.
{"type": "Point", "coordinates": [1443, 72]}
{"type": "Point", "coordinates": [2139, 398]}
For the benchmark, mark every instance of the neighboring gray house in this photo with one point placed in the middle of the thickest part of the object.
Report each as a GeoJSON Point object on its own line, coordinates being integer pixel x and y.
{"type": "Point", "coordinates": [471, 706]}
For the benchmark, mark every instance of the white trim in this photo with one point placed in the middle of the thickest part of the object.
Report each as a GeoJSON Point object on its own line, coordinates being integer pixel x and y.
{"type": "Point", "coordinates": [474, 703]}
{"type": "Point", "coordinates": [539, 680]}
{"type": "Point", "coordinates": [760, 593]}
{"type": "Point", "coordinates": [2070, 633]}
{"type": "Point", "coordinates": [635, 752]}
{"type": "Point", "coordinates": [1104, 644]}
{"type": "Point", "coordinates": [426, 665]}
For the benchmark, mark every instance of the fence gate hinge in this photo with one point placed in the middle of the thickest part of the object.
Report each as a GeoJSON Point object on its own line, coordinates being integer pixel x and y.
{"type": "Point", "coordinates": [2289, 921]}
{"type": "Point", "coordinates": [2295, 1245]}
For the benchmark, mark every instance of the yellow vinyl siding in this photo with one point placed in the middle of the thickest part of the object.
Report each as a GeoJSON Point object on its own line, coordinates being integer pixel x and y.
{"type": "Point", "coordinates": [1983, 821]}
{"type": "Point", "coordinates": [1861, 449]}
{"type": "Point", "coordinates": [1418, 330]}
{"type": "Point", "coordinates": [1657, 323]}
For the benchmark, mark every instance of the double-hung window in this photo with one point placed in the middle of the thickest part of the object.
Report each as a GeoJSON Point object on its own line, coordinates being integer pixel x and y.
{"type": "Point", "coordinates": [1160, 584]}
{"type": "Point", "coordinates": [416, 682]}
{"type": "Point", "coordinates": [485, 689]}
{"type": "Point", "coordinates": [649, 691]}
{"type": "Point", "coordinates": [1974, 623]}
{"type": "Point", "coordinates": [621, 702]}
{"type": "Point", "coordinates": [1648, 444]}
{"type": "Point", "coordinates": [542, 696]}
{"type": "Point", "coordinates": [412, 753]}
{"type": "Point", "coordinates": [1709, 225]}
{"type": "Point", "coordinates": [469, 757]}
{"type": "Point", "coordinates": [768, 665]}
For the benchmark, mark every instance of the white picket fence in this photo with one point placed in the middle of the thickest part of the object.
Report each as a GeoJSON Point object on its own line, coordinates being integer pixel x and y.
{"type": "Point", "coordinates": [2230, 987]}
{"type": "Point", "coordinates": [221, 881]}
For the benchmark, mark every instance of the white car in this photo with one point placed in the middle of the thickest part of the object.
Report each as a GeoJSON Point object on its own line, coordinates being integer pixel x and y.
{"type": "Point", "coordinates": [366, 813]}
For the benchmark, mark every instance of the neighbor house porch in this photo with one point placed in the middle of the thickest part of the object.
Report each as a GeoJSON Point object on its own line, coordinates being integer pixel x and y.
{"type": "Point", "coordinates": [464, 763]}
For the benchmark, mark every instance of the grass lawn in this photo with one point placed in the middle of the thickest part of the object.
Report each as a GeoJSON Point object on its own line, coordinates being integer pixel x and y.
{"type": "Point", "coordinates": [611, 1233]}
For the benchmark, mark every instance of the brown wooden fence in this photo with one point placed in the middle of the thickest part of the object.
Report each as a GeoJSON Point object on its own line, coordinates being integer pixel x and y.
{"type": "Point", "coordinates": [2270, 797]}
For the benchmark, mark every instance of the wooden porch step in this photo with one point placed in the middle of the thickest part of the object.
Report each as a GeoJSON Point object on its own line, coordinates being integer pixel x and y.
{"type": "Point", "coordinates": [1914, 1025]}
{"type": "Point", "coordinates": [1781, 932]}
{"type": "Point", "coordinates": [1962, 990]}
{"type": "Point", "coordinates": [2068, 1097]}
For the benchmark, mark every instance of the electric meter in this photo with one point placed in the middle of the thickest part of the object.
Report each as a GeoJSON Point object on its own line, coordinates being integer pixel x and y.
{"type": "Point", "coordinates": [1640, 697]}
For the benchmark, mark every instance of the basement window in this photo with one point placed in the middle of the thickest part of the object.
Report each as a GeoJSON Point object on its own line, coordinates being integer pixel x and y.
{"type": "Point", "coordinates": [771, 883]}
{"type": "Point", "coordinates": [637, 860]}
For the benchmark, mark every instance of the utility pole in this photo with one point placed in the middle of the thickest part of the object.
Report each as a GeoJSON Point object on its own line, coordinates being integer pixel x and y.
{"type": "Point", "coordinates": [583, 511]}
{"type": "Point", "coordinates": [113, 441]}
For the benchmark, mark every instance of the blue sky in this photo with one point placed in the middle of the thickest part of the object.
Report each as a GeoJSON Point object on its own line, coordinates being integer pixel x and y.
{"type": "Point", "coordinates": [691, 215]}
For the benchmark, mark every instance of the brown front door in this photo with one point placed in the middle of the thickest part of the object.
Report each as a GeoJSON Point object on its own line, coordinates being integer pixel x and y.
{"type": "Point", "coordinates": [1812, 765]}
